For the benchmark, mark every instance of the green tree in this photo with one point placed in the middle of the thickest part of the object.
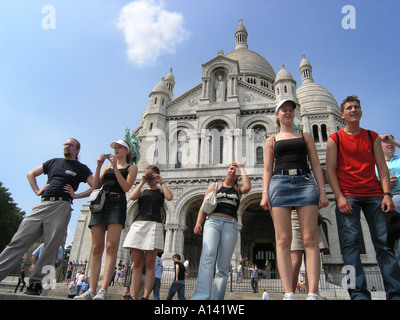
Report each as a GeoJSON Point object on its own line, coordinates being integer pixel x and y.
{"type": "Point", "coordinates": [10, 217]}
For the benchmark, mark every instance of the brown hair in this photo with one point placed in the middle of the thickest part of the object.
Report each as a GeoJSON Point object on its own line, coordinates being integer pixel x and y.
{"type": "Point", "coordinates": [349, 99]}
{"type": "Point", "coordinates": [78, 146]}
{"type": "Point", "coordinates": [154, 168]}
{"type": "Point", "coordinates": [177, 256]}
{"type": "Point", "coordinates": [129, 155]}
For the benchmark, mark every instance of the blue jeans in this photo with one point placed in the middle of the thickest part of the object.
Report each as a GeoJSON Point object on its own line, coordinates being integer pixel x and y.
{"type": "Point", "coordinates": [254, 284]}
{"type": "Point", "coordinates": [177, 286]}
{"type": "Point", "coordinates": [219, 240]}
{"type": "Point", "coordinates": [349, 227]}
{"type": "Point", "coordinates": [156, 288]}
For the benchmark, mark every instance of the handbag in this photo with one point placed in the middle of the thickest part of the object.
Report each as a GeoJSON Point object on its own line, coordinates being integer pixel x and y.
{"type": "Point", "coordinates": [210, 201]}
{"type": "Point", "coordinates": [97, 199]}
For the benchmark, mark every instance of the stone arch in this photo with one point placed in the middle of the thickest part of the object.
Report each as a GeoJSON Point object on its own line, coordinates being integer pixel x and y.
{"type": "Point", "coordinates": [269, 125]}
{"type": "Point", "coordinates": [182, 153]}
{"type": "Point", "coordinates": [217, 133]}
{"type": "Point", "coordinates": [205, 124]}
{"type": "Point", "coordinates": [257, 237]}
{"type": "Point", "coordinates": [187, 208]}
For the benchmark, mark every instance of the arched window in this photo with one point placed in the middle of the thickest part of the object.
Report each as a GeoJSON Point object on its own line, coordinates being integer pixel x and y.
{"type": "Point", "coordinates": [217, 133]}
{"type": "Point", "coordinates": [315, 133]}
{"type": "Point", "coordinates": [259, 155]}
{"type": "Point", "coordinates": [182, 148]}
{"type": "Point", "coordinates": [324, 133]}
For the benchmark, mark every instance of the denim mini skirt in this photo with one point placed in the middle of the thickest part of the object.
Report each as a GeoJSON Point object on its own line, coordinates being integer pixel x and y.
{"type": "Point", "coordinates": [293, 191]}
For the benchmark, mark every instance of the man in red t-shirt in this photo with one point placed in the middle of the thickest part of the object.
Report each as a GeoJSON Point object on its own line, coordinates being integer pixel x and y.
{"type": "Point", "coordinates": [352, 154]}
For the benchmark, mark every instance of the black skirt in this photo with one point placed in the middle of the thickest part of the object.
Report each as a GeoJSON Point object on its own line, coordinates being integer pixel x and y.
{"type": "Point", "coordinates": [114, 211]}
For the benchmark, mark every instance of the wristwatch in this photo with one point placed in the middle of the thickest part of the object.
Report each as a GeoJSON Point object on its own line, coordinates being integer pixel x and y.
{"type": "Point", "coordinates": [388, 194]}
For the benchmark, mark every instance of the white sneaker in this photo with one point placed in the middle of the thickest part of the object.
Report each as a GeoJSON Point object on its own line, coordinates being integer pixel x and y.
{"type": "Point", "coordinates": [312, 296]}
{"type": "Point", "coordinates": [289, 296]}
{"type": "Point", "coordinates": [101, 295]}
{"type": "Point", "coordinates": [88, 295]}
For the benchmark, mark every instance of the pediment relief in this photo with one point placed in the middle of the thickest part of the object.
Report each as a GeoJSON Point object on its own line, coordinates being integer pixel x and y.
{"type": "Point", "coordinates": [220, 61]}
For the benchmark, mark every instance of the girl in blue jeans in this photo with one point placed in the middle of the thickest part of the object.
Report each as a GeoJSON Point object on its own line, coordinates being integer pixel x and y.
{"type": "Point", "coordinates": [220, 234]}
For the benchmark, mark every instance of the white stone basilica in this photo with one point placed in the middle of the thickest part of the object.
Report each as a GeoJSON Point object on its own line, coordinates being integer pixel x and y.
{"type": "Point", "coordinates": [194, 137]}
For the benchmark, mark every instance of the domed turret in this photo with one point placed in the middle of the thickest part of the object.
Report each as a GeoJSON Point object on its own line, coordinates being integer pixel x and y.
{"type": "Point", "coordinates": [283, 74]}
{"type": "Point", "coordinates": [160, 87]}
{"type": "Point", "coordinates": [312, 96]}
{"type": "Point", "coordinates": [306, 71]}
{"type": "Point", "coordinates": [241, 36]}
{"type": "Point", "coordinates": [170, 82]}
{"type": "Point", "coordinates": [250, 63]}
{"type": "Point", "coordinates": [285, 85]}
{"type": "Point", "coordinates": [319, 109]}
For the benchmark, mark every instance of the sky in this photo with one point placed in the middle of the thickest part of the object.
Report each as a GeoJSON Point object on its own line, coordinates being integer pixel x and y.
{"type": "Point", "coordinates": [85, 68]}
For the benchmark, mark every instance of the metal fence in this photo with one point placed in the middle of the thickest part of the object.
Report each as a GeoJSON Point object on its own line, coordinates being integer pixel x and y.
{"type": "Point", "coordinates": [61, 271]}
{"type": "Point", "coordinates": [266, 279]}
{"type": "Point", "coordinates": [270, 280]}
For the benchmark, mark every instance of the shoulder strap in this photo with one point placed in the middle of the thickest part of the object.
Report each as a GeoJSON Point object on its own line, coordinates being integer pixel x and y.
{"type": "Point", "coordinates": [338, 141]}
{"type": "Point", "coordinates": [304, 138]}
{"type": "Point", "coordinates": [370, 137]}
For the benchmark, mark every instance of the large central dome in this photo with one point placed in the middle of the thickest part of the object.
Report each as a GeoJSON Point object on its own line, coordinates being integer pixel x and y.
{"type": "Point", "coordinates": [250, 62]}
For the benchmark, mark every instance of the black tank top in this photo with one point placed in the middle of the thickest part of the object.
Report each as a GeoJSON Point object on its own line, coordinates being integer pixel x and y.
{"type": "Point", "coordinates": [228, 201]}
{"type": "Point", "coordinates": [110, 180]}
{"type": "Point", "coordinates": [290, 154]}
{"type": "Point", "coordinates": [150, 204]}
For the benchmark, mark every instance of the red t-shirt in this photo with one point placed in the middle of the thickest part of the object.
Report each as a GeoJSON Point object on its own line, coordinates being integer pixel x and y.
{"type": "Point", "coordinates": [355, 168]}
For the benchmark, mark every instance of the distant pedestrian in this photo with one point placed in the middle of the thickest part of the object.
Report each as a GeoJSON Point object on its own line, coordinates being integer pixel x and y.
{"type": "Point", "coordinates": [265, 295]}
{"type": "Point", "coordinates": [157, 278]}
{"type": "Point", "coordinates": [254, 278]}
{"type": "Point", "coordinates": [21, 279]}
{"type": "Point", "coordinates": [72, 289]}
{"type": "Point", "coordinates": [178, 285]}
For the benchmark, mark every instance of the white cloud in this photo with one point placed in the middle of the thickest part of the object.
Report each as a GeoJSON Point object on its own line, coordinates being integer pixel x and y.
{"type": "Point", "coordinates": [150, 30]}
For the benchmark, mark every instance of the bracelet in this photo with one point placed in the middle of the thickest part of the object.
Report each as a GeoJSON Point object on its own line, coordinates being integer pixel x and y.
{"type": "Point", "coordinates": [323, 189]}
{"type": "Point", "coordinates": [265, 191]}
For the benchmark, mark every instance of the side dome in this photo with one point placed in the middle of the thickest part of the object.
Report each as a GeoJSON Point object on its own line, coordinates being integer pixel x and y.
{"type": "Point", "coordinates": [161, 87]}
{"type": "Point", "coordinates": [313, 97]}
{"type": "Point", "coordinates": [283, 74]}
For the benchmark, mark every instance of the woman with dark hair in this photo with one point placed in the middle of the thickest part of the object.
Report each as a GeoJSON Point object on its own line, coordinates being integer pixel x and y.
{"type": "Point", "coordinates": [220, 234]}
{"type": "Point", "coordinates": [146, 235]}
{"type": "Point", "coordinates": [116, 178]}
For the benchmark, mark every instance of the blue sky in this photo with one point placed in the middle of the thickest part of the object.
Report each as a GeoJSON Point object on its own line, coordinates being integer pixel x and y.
{"type": "Point", "coordinates": [85, 68]}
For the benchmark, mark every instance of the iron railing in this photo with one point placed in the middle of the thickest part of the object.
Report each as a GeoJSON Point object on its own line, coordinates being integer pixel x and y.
{"type": "Point", "coordinates": [266, 279]}
{"type": "Point", "coordinates": [270, 280]}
